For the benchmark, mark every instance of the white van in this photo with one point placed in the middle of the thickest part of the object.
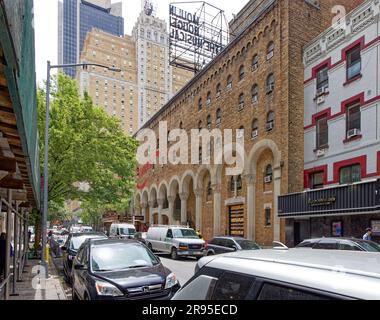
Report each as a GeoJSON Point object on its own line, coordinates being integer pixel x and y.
{"type": "Point", "coordinates": [176, 240]}
{"type": "Point", "coordinates": [122, 230]}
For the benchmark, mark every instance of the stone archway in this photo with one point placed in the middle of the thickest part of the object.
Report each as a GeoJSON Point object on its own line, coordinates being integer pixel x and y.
{"type": "Point", "coordinates": [174, 200]}
{"type": "Point", "coordinates": [251, 179]}
{"type": "Point", "coordinates": [188, 199]}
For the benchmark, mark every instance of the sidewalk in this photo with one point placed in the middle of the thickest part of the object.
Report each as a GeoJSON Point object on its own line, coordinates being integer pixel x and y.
{"type": "Point", "coordinates": [32, 288]}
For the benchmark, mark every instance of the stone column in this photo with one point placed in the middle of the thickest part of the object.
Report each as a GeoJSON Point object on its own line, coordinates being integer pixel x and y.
{"type": "Point", "coordinates": [151, 207]}
{"type": "Point", "coordinates": [144, 205]}
{"type": "Point", "coordinates": [160, 205]}
{"type": "Point", "coordinates": [198, 208]}
{"type": "Point", "coordinates": [251, 203]}
{"type": "Point", "coordinates": [184, 196]}
{"type": "Point", "coordinates": [171, 200]}
{"type": "Point", "coordinates": [277, 192]}
{"type": "Point", "coordinates": [216, 188]}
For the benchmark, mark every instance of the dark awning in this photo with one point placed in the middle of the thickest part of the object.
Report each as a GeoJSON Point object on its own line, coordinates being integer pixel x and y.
{"type": "Point", "coordinates": [356, 198]}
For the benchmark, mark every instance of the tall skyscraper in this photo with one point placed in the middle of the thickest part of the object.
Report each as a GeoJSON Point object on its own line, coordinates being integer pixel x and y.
{"type": "Point", "coordinates": [146, 81]}
{"type": "Point", "coordinates": [76, 18]}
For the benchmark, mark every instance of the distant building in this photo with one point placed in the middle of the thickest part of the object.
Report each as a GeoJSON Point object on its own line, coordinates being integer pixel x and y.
{"type": "Point", "coordinates": [76, 18]}
{"type": "Point", "coordinates": [146, 81]}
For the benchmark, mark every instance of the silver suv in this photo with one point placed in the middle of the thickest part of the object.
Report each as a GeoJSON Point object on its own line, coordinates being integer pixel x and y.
{"type": "Point", "coordinates": [294, 274]}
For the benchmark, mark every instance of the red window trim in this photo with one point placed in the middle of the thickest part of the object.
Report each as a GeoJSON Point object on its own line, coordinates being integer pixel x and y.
{"type": "Point", "coordinates": [309, 172]}
{"type": "Point", "coordinates": [362, 160]}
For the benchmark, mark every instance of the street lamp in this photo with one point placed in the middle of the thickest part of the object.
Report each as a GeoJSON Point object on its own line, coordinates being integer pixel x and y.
{"type": "Point", "coordinates": [46, 159]}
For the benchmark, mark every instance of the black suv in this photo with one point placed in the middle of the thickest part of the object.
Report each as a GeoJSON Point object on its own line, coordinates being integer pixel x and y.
{"type": "Point", "coordinates": [228, 244]}
{"type": "Point", "coordinates": [70, 249]}
{"type": "Point", "coordinates": [350, 244]}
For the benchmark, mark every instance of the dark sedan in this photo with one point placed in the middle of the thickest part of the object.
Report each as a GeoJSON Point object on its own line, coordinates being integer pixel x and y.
{"type": "Point", "coordinates": [70, 249]}
{"type": "Point", "coordinates": [116, 269]}
{"type": "Point", "coordinates": [227, 244]}
{"type": "Point", "coordinates": [350, 244]}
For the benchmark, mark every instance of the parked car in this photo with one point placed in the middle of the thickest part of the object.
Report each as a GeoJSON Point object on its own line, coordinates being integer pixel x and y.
{"type": "Point", "coordinates": [86, 229]}
{"type": "Point", "coordinates": [351, 244]}
{"type": "Point", "coordinates": [227, 244]}
{"type": "Point", "coordinates": [70, 248]}
{"type": "Point", "coordinates": [116, 269]}
{"type": "Point", "coordinates": [293, 274]}
{"type": "Point", "coordinates": [140, 236]}
{"type": "Point", "coordinates": [122, 230]}
{"type": "Point", "coordinates": [176, 240]}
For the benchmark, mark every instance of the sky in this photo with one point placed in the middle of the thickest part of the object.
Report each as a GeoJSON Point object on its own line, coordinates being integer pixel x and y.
{"type": "Point", "coordinates": [46, 24]}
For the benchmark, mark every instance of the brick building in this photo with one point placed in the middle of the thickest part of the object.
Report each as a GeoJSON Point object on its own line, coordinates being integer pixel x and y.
{"type": "Point", "coordinates": [341, 132]}
{"type": "Point", "coordinates": [146, 81]}
{"type": "Point", "coordinates": [254, 86]}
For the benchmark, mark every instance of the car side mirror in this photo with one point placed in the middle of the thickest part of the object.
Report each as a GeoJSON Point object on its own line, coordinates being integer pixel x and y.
{"type": "Point", "coordinates": [79, 267]}
{"type": "Point", "coordinates": [234, 247]}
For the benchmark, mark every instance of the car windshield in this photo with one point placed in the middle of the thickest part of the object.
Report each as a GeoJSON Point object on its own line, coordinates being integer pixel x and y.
{"type": "Point", "coordinates": [76, 242]}
{"type": "Point", "coordinates": [185, 233]}
{"type": "Point", "coordinates": [121, 257]}
{"type": "Point", "coordinates": [248, 245]}
{"type": "Point", "coordinates": [369, 245]}
{"type": "Point", "coordinates": [124, 231]}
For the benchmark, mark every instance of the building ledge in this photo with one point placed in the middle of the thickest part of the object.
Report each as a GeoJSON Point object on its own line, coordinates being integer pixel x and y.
{"type": "Point", "coordinates": [357, 78]}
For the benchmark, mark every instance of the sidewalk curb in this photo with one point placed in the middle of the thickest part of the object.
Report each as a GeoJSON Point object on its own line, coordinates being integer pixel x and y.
{"type": "Point", "coordinates": [54, 271]}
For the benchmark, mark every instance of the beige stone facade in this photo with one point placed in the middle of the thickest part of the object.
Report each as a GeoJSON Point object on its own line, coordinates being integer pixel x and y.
{"type": "Point", "coordinates": [146, 81]}
{"type": "Point", "coordinates": [203, 195]}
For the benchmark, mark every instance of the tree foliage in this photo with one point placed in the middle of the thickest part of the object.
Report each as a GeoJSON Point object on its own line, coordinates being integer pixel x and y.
{"type": "Point", "coordinates": [85, 145]}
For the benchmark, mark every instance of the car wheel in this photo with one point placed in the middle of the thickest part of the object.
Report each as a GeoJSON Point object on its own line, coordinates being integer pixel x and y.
{"type": "Point", "coordinates": [210, 253]}
{"type": "Point", "coordinates": [174, 254]}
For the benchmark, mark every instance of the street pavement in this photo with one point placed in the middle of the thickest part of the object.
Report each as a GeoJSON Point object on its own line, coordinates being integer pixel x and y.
{"type": "Point", "coordinates": [183, 268]}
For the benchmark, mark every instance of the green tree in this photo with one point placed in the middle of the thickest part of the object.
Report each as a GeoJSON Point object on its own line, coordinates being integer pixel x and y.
{"type": "Point", "coordinates": [85, 145]}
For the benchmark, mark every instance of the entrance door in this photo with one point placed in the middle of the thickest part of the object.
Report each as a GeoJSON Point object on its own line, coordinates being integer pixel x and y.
{"type": "Point", "coordinates": [236, 221]}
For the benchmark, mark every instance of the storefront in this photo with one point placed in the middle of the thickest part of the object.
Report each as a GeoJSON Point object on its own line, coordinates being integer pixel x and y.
{"type": "Point", "coordinates": [343, 211]}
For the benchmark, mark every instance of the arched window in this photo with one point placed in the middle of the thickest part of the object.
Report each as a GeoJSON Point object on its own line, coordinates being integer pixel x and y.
{"type": "Point", "coordinates": [218, 116]}
{"type": "Point", "coordinates": [255, 94]}
{"type": "Point", "coordinates": [270, 51]}
{"type": "Point", "coordinates": [209, 189]}
{"type": "Point", "coordinates": [229, 82]}
{"type": "Point", "coordinates": [218, 89]}
{"type": "Point", "coordinates": [240, 133]}
{"type": "Point", "coordinates": [255, 62]}
{"type": "Point", "coordinates": [255, 129]}
{"type": "Point", "coordinates": [200, 125]}
{"type": "Point", "coordinates": [268, 174]}
{"type": "Point", "coordinates": [241, 73]}
{"type": "Point", "coordinates": [270, 83]}
{"type": "Point", "coordinates": [270, 121]}
{"type": "Point", "coordinates": [208, 101]}
{"type": "Point", "coordinates": [241, 101]}
{"type": "Point", "coordinates": [209, 122]}
{"type": "Point", "coordinates": [200, 104]}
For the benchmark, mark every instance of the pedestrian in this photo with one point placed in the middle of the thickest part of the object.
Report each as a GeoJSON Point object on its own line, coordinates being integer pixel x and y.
{"type": "Point", "coordinates": [199, 234]}
{"type": "Point", "coordinates": [3, 242]}
{"type": "Point", "coordinates": [368, 234]}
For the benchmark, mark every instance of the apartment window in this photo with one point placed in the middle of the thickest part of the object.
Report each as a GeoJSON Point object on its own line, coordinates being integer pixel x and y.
{"type": "Point", "coordinates": [208, 101]}
{"type": "Point", "coordinates": [218, 89]}
{"type": "Point", "coordinates": [322, 132]}
{"type": "Point", "coordinates": [350, 174]}
{"type": "Point", "coordinates": [255, 129]}
{"type": "Point", "coordinates": [353, 119]}
{"type": "Point", "coordinates": [209, 122]}
{"type": "Point", "coordinates": [218, 116]}
{"type": "Point", "coordinates": [200, 104]}
{"type": "Point", "coordinates": [181, 125]}
{"type": "Point", "coordinates": [269, 172]}
{"type": "Point", "coordinates": [270, 83]}
{"type": "Point", "coordinates": [229, 82]}
{"type": "Point", "coordinates": [268, 214]}
{"type": "Point", "coordinates": [354, 62]}
{"type": "Point", "coordinates": [200, 125]}
{"type": "Point", "coordinates": [232, 184]}
{"type": "Point", "coordinates": [241, 73]}
{"type": "Point", "coordinates": [255, 62]}
{"type": "Point", "coordinates": [322, 79]}
{"type": "Point", "coordinates": [270, 121]}
{"type": "Point", "coordinates": [270, 51]}
{"type": "Point", "coordinates": [239, 183]}
{"type": "Point", "coordinates": [209, 189]}
{"type": "Point", "coordinates": [316, 180]}
{"type": "Point", "coordinates": [255, 94]}
{"type": "Point", "coordinates": [241, 101]}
